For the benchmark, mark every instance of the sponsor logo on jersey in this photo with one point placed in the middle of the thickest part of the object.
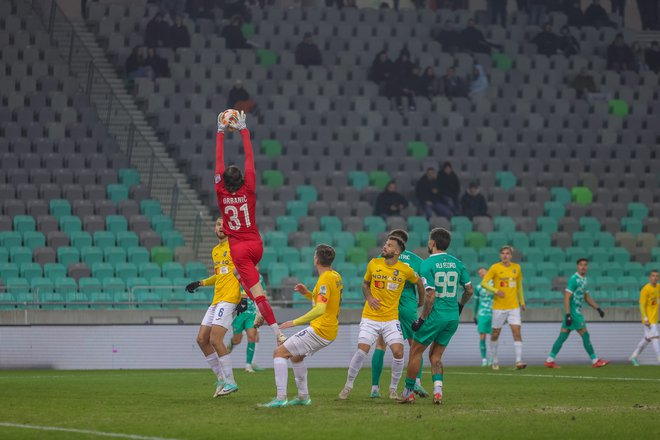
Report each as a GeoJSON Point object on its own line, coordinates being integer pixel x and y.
{"type": "Point", "coordinates": [379, 284]}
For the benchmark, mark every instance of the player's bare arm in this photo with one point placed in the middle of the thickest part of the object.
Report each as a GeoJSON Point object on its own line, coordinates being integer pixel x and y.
{"type": "Point", "coordinates": [374, 303]}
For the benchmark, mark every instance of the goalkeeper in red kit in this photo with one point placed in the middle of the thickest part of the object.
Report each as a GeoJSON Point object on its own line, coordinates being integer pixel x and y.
{"type": "Point", "coordinates": [237, 201]}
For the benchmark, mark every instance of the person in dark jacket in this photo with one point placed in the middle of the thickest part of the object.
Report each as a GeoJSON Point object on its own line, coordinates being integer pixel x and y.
{"type": "Point", "coordinates": [475, 41]}
{"type": "Point", "coordinates": [568, 44]}
{"type": "Point", "coordinates": [240, 99]}
{"type": "Point", "coordinates": [428, 195]}
{"type": "Point", "coordinates": [574, 14]}
{"type": "Point", "coordinates": [136, 64]}
{"type": "Point", "coordinates": [179, 35]}
{"type": "Point", "coordinates": [390, 202]}
{"type": "Point", "coordinates": [450, 187]}
{"type": "Point", "coordinates": [400, 83]}
{"type": "Point", "coordinates": [233, 35]}
{"type": "Point", "coordinates": [159, 65]}
{"type": "Point", "coordinates": [547, 42]}
{"type": "Point", "coordinates": [307, 52]}
{"type": "Point", "coordinates": [453, 85]}
{"type": "Point", "coordinates": [157, 33]}
{"type": "Point", "coordinates": [584, 84]}
{"type": "Point", "coordinates": [619, 55]}
{"type": "Point", "coordinates": [652, 57]}
{"type": "Point", "coordinates": [473, 203]}
{"type": "Point", "coordinates": [381, 69]}
{"type": "Point", "coordinates": [595, 15]}
{"type": "Point", "coordinates": [449, 37]}
{"type": "Point", "coordinates": [429, 83]}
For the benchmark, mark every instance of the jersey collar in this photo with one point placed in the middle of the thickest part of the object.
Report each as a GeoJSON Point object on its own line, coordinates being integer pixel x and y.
{"type": "Point", "coordinates": [439, 253]}
{"type": "Point", "coordinates": [580, 276]}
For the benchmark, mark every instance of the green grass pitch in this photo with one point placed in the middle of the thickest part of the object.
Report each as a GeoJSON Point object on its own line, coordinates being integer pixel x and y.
{"type": "Point", "coordinates": [574, 402]}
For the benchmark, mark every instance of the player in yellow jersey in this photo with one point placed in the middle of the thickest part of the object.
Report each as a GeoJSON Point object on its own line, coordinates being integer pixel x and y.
{"type": "Point", "coordinates": [504, 280]}
{"type": "Point", "coordinates": [219, 316]}
{"type": "Point", "coordinates": [648, 305]}
{"type": "Point", "coordinates": [383, 283]}
{"type": "Point", "coordinates": [322, 330]}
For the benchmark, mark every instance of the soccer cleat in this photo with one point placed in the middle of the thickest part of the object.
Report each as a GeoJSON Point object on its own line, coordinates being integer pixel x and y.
{"type": "Point", "coordinates": [228, 389]}
{"type": "Point", "coordinates": [495, 365]}
{"type": "Point", "coordinates": [258, 321]}
{"type": "Point", "coordinates": [281, 338]}
{"type": "Point", "coordinates": [343, 395]}
{"type": "Point", "coordinates": [300, 402]}
{"type": "Point", "coordinates": [552, 364]}
{"type": "Point", "coordinates": [521, 365]}
{"type": "Point", "coordinates": [484, 362]}
{"type": "Point", "coordinates": [490, 361]}
{"type": "Point", "coordinates": [437, 399]}
{"type": "Point", "coordinates": [393, 394]}
{"type": "Point", "coordinates": [420, 391]}
{"type": "Point", "coordinates": [599, 363]}
{"type": "Point", "coordinates": [275, 403]}
{"type": "Point", "coordinates": [408, 399]}
{"type": "Point", "coordinates": [219, 385]}
{"type": "Point", "coordinates": [634, 361]}
{"type": "Point", "coordinates": [375, 393]}
{"type": "Point", "coordinates": [249, 369]}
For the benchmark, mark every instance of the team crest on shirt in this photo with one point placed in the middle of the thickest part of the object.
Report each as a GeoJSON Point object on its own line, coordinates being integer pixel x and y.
{"type": "Point", "coordinates": [225, 254]}
{"type": "Point", "coordinates": [323, 290]}
{"type": "Point", "coordinates": [218, 178]}
{"type": "Point", "coordinates": [396, 273]}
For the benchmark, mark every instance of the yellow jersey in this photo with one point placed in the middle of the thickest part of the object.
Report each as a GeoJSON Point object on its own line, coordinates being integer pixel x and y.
{"type": "Point", "coordinates": [227, 287]}
{"type": "Point", "coordinates": [648, 302]}
{"type": "Point", "coordinates": [328, 290]}
{"type": "Point", "coordinates": [386, 284]}
{"type": "Point", "coordinates": [508, 280]}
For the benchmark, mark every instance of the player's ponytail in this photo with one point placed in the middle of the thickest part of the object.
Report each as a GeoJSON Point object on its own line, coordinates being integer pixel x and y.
{"type": "Point", "coordinates": [233, 178]}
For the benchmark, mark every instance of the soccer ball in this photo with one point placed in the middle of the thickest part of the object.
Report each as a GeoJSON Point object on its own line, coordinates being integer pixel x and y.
{"type": "Point", "coordinates": [228, 117]}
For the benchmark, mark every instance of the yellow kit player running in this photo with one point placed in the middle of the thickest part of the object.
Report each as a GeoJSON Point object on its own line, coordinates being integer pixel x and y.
{"type": "Point", "coordinates": [219, 316]}
{"type": "Point", "coordinates": [504, 279]}
{"type": "Point", "coordinates": [383, 283]}
{"type": "Point", "coordinates": [648, 305]}
{"type": "Point", "coordinates": [322, 330]}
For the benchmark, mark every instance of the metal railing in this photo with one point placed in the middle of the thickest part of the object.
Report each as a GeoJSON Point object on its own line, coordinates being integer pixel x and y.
{"type": "Point", "coordinates": [132, 142]}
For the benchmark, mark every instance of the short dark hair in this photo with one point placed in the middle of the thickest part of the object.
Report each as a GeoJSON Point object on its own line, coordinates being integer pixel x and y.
{"type": "Point", "coordinates": [653, 271]}
{"type": "Point", "coordinates": [399, 241]}
{"type": "Point", "coordinates": [233, 177]}
{"type": "Point", "coordinates": [403, 235]}
{"type": "Point", "coordinates": [441, 237]}
{"type": "Point", "coordinates": [580, 260]}
{"type": "Point", "coordinates": [325, 254]}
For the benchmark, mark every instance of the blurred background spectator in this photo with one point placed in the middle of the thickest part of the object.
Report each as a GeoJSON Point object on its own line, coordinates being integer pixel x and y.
{"type": "Point", "coordinates": [179, 35]}
{"type": "Point", "coordinates": [157, 33]}
{"type": "Point", "coordinates": [390, 202]}
{"type": "Point", "coordinates": [307, 52]}
{"type": "Point", "coordinates": [619, 55]}
{"type": "Point", "coordinates": [450, 188]}
{"type": "Point", "coordinates": [240, 99]}
{"type": "Point", "coordinates": [652, 57]}
{"type": "Point", "coordinates": [473, 203]}
{"type": "Point", "coordinates": [479, 83]}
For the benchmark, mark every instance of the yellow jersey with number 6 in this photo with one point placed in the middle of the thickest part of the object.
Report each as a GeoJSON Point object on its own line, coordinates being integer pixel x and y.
{"type": "Point", "coordinates": [508, 280]}
{"type": "Point", "coordinates": [227, 287]}
{"type": "Point", "coordinates": [328, 291]}
{"type": "Point", "coordinates": [386, 284]}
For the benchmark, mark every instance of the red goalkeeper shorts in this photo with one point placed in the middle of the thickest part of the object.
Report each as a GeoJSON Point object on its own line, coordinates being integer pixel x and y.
{"type": "Point", "coordinates": [246, 254]}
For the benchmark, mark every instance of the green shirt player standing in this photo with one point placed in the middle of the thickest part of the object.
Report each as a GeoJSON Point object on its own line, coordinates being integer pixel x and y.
{"type": "Point", "coordinates": [244, 322]}
{"type": "Point", "coordinates": [575, 295]}
{"type": "Point", "coordinates": [483, 315]}
{"type": "Point", "coordinates": [442, 274]}
{"type": "Point", "coordinates": [408, 305]}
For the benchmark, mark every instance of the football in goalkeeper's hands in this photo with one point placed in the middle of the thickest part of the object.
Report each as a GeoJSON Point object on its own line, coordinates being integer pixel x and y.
{"type": "Point", "coordinates": [228, 118]}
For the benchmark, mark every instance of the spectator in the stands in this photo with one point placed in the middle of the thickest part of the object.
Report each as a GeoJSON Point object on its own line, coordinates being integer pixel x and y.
{"type": "Point", "coordinates": [240, 99]}
{"type": "Point", "coordinates": [547, 42]}
{"type": "Point", "coordinates": [157, 33]}
{"type": "Point", "coordinates": [475, 41]}
{"type": "Point", "coordinates": [450, 187]}
{"type": "Point", "coordinates": [400, 83]}
{"type": "Point", "coordinates": [233, 35]}
{"type": "Point", "coordinates": [584, 84]}
{"type": "Point", "coordinates": [568, 44]}
{"type": "Point", "coordinates": [652, 57]}
{"type": "Point", "coordinates": [595, 15]}
{"type": "Point", "coordinates": [430, 83]}
{"type": "Point", "coordinates": [574, 14]}
{"type": "Point", "coordinates": [417, 82]}
{"type": "Point", "coordinates": [473, 203]}
{"type": "Point", "coordinates": [536, 11]}
{"type": "Point", "coordinates": [179, 35]}
{"type": "Point", "coordinates": [159, 65]}
{"type": "Point", "coordinates": [428, 195]}
{"type": "Point", "coordinates": [136, 64]}
{"type": "Point", "coordinates": [648, 13]}
{"type": "Point", "coordinates": [638, 59]}
{"type": "Point", "coordinates": [381, 70]}
{"type": "Point", "coordinates": [307, 52]}
{"type": "Point", "coordinates": [498, 12]}
{"type": "Point", "coordinates": [449, 37]}
{"type": "Point", "coordinates": [479, 83]}
{"type": "Point", "coordinates": [453, 85]}
{"type": "Point", "coordinates": [619, 55]}
{"type": "Point", "coordinates": [390, 202]}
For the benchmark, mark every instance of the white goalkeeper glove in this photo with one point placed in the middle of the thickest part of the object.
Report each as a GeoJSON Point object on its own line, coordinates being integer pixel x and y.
{"type": "Point", "coordinates": [221, 126]}
{"type": "Point", "coordinates": [240, 123]}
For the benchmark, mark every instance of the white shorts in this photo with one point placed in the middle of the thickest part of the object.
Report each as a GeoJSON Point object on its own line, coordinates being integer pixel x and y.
{"type": "Point", "coordinates": [510, 316]}
{"type": "Point", "coordinates": [305, 343]}
{"type": "Point", "coordinates": [389, 330]}
{"type": "Point", "coordinates": [221, 314]}
{"type": "Point", "coordinates": [651, 331]}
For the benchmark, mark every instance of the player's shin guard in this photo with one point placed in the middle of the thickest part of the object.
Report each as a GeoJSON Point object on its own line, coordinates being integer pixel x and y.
{"type": "Point", "coordinates": [266, 311]}
{"type": "Point", "coordinates": [250, 352]}
{"type": "Point", "coordinates": [281, 377]}
{"type": "Point", "coordinates": [377, 366]}
{"type": "Point", "coordinates": [586, 341]}
{"type": "Point", "coordinates": [482, 348]}
{"type": "Point", "coordinates": [354, 367]}
{"type": "Point", "coordinates": [397, 371]}
{"type": "Point", "coordinates": [557, 345]}
{"type": "Point", "coordinates": [300, 372]}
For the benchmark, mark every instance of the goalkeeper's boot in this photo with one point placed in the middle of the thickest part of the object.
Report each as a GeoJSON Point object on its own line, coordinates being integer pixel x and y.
{"type": "Point", "coordinates": [437, 398]}
{"type": "Point", "coordinates": [420, 391]}
{"type": "Point", "coordinates": [300, 401]}
{"type": "Point", "coordinates": [275, 403]}
{"type": "Point", "coordinates": [343, 394]}
{"type": "Point", "coordinates": [600, 363]}
{"type": "Point", "coordinates": [552, 364]}
{"type": "Point", "coordinates": [228, 389]}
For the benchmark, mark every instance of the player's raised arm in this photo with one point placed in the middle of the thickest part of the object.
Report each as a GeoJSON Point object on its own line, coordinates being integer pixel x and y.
{"type": "Point", "coordinates": [220, 149]}
{"type": "Point", "coordinates": [250, 172]}
{"type": "Point", "coordinates": [303, 290]}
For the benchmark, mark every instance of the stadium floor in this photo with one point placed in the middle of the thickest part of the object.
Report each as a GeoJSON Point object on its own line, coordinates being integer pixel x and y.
{"type": "Point", "coordinates": [617, 401]}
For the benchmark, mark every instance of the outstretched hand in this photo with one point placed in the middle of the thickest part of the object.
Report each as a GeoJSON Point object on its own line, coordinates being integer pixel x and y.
{"type": "Point", "coordinates": [221, 127]}
{"type": "Point", "coordinates": [240, 123]}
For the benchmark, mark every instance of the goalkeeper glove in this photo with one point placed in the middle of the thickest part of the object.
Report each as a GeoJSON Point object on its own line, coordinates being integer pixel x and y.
{"type": "Point", "coordinates": [240, 123]}
{"type": "Point", "coordinates": [242, 306]}
{"type": "Point", "coordinates": [221, 126]}
{"type": "Point", "coordinates": [600, 312]}
{"type": "Point", "coordinates": [569, 320]}
{"type": "Point", "coordinates": [417, 324]}
{"type": "Point", "coordinates": [193, 286]}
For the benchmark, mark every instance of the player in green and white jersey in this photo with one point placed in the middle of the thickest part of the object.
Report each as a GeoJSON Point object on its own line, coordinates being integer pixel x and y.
{"type": "Point", "coordinates": [576, 294]}
{"type": "Point", "coordinates": [246, 312]}
{"type": "Point", "coordinates": [483, 315]}
{"type": "Point", "coordinates": [408, 305]}
{"type": "Point", "coordinates": [442, 274]}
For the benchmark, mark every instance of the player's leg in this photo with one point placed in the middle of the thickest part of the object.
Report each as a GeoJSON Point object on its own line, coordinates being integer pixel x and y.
{"type": "Point", "coordinates": [393, 337]}
{"type": "Point", "coordinates": [203, 340]}
{"type": "Point", "coordinates": [414, 367]}
{"type": "Point", "coordinates": [482, 349]}
{"type": "Point", "coordinates": [251, 347]}
{"type": "Point", "coordinates": [408, 315]}
{"type": "Point", "coordinates": [563, 335]}
{"type": "Point", "coordinates": [596, 362]}
{"type": "Point", "coordinates": [516, 329]}
{"type": "Point", "coordinates": [281, 369]}
{"type": "Point", "coordinates": [369, 332]}
{"type": "Point", "coordinates": [377, 367]}
{"type": "Point", "coordinates": [499, 318]}
{"type": "Point", "coordinates": [437, 371]}
{"type": "Point", "coordinates": [221, 323]}
{"type": "Point", "coordinates": [237, 330]}
{"type": "Point", "coordinates": [300, 373]}
{"type": "Point", "coordinates": [650, 337]}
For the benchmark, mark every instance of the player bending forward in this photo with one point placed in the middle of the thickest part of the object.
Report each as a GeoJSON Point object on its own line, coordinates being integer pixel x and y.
{"type": "Point", "coordinates": [219, 315]}
{"type": "Point", "coordinates": [442, 274]}
{"type": "Point", "coordinates": [383, 282]}
{"type": "Point", "coordinates": [246, 313]}
{"type": "Point", "coordinates": [237, 201]}
{"type": "Point", "coordinates": [576, 293]}
{"type": "Point", "coordinates": [648, 305]}
{"type": "Point", "coordinates": [324, 317]}
{"type": "Point", "coordinates": [483, 316]}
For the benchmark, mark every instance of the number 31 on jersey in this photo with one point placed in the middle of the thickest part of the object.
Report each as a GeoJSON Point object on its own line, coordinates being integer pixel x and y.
{"type": "Point", "coordinates": [234, 219]}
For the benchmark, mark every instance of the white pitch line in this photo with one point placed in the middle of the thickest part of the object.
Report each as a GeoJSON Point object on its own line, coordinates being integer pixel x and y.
{"type": "Point", "coordinates": [558, 376]}
{"type": "Point", "coordinates": [82, 431]}
{"type": "Point", "coordinates": [100, 376]}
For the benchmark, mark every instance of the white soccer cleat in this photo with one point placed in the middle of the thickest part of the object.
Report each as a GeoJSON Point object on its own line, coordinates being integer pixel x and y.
{"type": "Point", "coordinates": [343, 395]}
{"type": "Point", "coordinates": [393, 394]}
{"type": "Point", "coordinates": [249, 369]}
{"type": "Point", "coordinates": [495, 365]}
{"type": "Point", "coordinates": [219, 385]}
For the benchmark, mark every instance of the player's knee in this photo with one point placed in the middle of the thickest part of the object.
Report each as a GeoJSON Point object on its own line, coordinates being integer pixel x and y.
{"type": "Point", "coordinates": [252, 339]}
{"type": "Point", "coordinates": [397, 352]}
{"type": "Point", "coordinates": [201, 341]}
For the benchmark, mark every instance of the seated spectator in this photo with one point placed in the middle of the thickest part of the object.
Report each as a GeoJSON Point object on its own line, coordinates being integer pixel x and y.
{"type": "Point", "coordinates": [159, 65]}
{"type": "Point", "coordinates": [157, 33]}
{"type": "Point", "coordinates": [429, 83]}
{"type": "Point", "coordinates": [595, 15]}
{"type": "Point", "coordinates": [390, 202]}
{"type": "Point", "coordinates": [416, 82]}
{"type": "Point", "coordinates": [239, 99]}
{"type": "Point", "coordinates": [449, 37]}
{"type": "Point", "coordinates": [233, 35]}
{"type": "Point", "coordinates": [179, 35]}
{"type": "Point", "coordinates": [473, 203]}
{"type": "Point", "coordinates": [584, 84]}
{"type": "Point", "coordinates": [450, 187]}
{"type": "Point", "coordinates": [428, 195]}
{"type": "Point", "coordinates": [652, 57]}
{"type": "Point", "coordinates": [479, 83]}
{"type": "Point", "coordinates": [453, 85]}
{"type": "Point", "coordinates": [136, 64]}
{"type": "Point", "coordinates": [574, 14]}
{"type": "Point", "coordinates": [619, 55]}
{"type": "Point", "coordinates": [381, 70]}
{"type": "Point", "coordinates": [475, 41]}
{"type": "Point", "coordinates": [547, 42]}
{"type": "Point", "coordinates": [400, 83]}
{"type": "Point", "coordinates": [638, 58]}
{"type": "Point", "coordinates": [307, 52]}
{"type": "Point", "coordinates": [568, 44]}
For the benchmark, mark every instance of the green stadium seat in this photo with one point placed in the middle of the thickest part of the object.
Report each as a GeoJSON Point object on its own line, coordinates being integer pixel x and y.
{"type": "Point", "coordinates": [197, 270]}
{"type": "Point", "coordinates": [475, 240]}
{"type": "Point", "coordinates": [420, 225]}
{"type": "Point", "coordinates": [547, 269]}
{"type": "Point", "coordinates": [417, 149]}
{"type": "Point", "coordinates": [307, 254]}
{"type": "Point", "coordinates": [59, 208]}
{"type": "Point", "coordinates": [150, 270]}
{"type": "Point", "coordinates": [77, 300]}
{"type": "Point", "coordinates": [415, 240]}
{"type": "Point", "coordinates": [4, 254]}
{"type": "Point", "coordinates": [24, 223]}
{"type": "Point", "coordinates": [366, 240]}
{"type": "Point", "coordinates": [91, 255]}
{"type": "Point", "coordinates": [150, 208]}
{"type": "Point", "coordinates": [605, 240]}
{"type": "Point", "coordinates": [584, 239]}
{"type": "Point", "coordinates": [489, 255]}
{"type": "Point", "coordinates": [582, 195]}
{"type": "Point", "coordinates": [618, 107]}
{"type": "Point", "coordinates": [554, 255]}
{"type": "Point", "coordinates": [560, 195]}
{"type": "Point", "coordinates": [30, 270]}
{"type": "Point", "coordinates": [502, 61]}
{"type": "Point", "coordinates": [300, 270]}
{"type": "Point", "coordinates": [89, 286]}
{"type": "Point", "coordinates": [286, 224]}
{"type": "Point", "coordinates": [638, 210]}
{"type": "Point", "coordinates": [379, 179]}
{"type": "Point", "coordinates": [358, 179]}
{"type": "Point", "coordinates": [19, 288]}
{"type": "Point", "coordinates": [530, 269]}
{"type": "Point", "coordinates": [461, 224]}
{"type": "Point", "coordinates": [468, 256]}
{"type": "Point", "coordinates": [356, 255]}
{"type": "Point", "coordinates": [34, 240]}
{"type": "Point", "coordinates": [54, 271]}
{"type": "Point", "coordinates": [343, 240]}
{"type": "Point", "coordinates": [619, 255]}
{"type": "Point", "coordinates": [632, 225]}
{"type": "Point", "coordinates": [142, 294]}
{"type": "Point", "coordinates": [573, 253]}
{"type": "Point", "coordinates": [330, 224]}
{"type": "Point", "coordinates": [497, 239]}
{"type": "Point", "coordinates": [269, 257]}
{"type": "Point", "coordinates": [113, 285]}
{"type": "Point", "coordinates": [634, 269]}
{"type": "Point", "coordinates": [117, 192]}
{"type": "Point", "coordinates": [648, 267]}
{"type": "Point", "coordinates": [127, 239]}
{"type": "Point", "coordinates": [272, 178]}
{"type": "Point", "coordinates": [276, 272]}
{"type": "Point", "coordinates": [70, 223]}
{"type": "Point", "coordinates": [104, 239]}
{"type": "Point", "coordinates": [114, 255]}
{"type": "Point", "coordinates": [629, 284]}
{"type": "Point", "coordinates": [598, 255]}
{"type": "Point", "coordinates": [8, 270]}
{"type": "Point", "coordinates": [296, 208]}
{"type": "Point", "coordinates": [589, 224]}
{"type": "Point", "coordinates": [102, 270]}
{"type": "Point", "coordinates": [348, 271]}
{"type": "Point", "coordinates": [161, 223]}
{"type": "Point", "coordinates": [128, 177]}
{"type": "Point", "coordinates": [457, 240]}
{"type": "Point", "coordinates": [374, 224]}
{"type": "Point", "coordinates": [288, 254]}
{"type": "Point", "coordinates": [137, 255]}
{"type": "Point", "coordinates": [10, 239]}
{"type": "Point", "coordinates": [520, 241]}
{"type": "Point", "coordinates": [80, 239]}
{"type": "Point", "coordinates": [548, 225]}
{"type": "Point", "coordinates": [126, 270]}
{"type": "Point", "coordinates": [533, 255]}
{"type": "Point", "coordinates": [65, 286]}
{"type": "Point", "coordinates": [116, 224]}
{"type": "Point", "coordinates": [44, 290]}
{"type": "Point", "coordinates": [266, 57]}
{"type": "Point", "coordinates": [271, 147]}
{"type": "Point", "coordinates": [276, 239]}
{"type": "Point", "coordinates": [504, 224]}
{"type": "Point", "coordinates": [506, 180]}
{"type": "Point", "coordinates": [20, 255]}
{"type": "Point", "coordinates": [173, 239]}
{"type": "Point", "coordinates": [173, 270]}
{"type": "Point", "coordinates": [306, 193]}
{"type": "Point", "coordinates": [554, 210]}
{"type": "Point", "coordinates": [161, 254]}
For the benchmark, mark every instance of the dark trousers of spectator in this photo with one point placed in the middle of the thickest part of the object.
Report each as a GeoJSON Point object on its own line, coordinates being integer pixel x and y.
{"type": "Point", "coordinates": [437, 208]}
{"type": "Point", "coordinates": [536, 14]}
{"type": "Point", "coordinates": [497, 11]}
